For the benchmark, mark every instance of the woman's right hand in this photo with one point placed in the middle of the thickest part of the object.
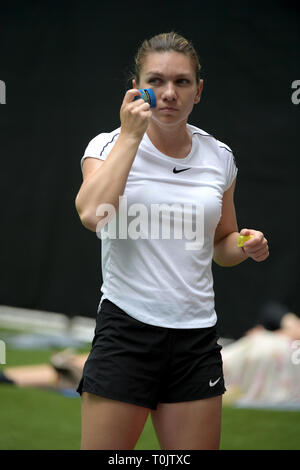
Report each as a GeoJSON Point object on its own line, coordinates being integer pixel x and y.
{"type": "Point", "coordinates": [135, 115]}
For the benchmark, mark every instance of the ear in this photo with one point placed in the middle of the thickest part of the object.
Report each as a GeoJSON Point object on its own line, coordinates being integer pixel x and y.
{"type": "Point", "coordinates": [199, 92]}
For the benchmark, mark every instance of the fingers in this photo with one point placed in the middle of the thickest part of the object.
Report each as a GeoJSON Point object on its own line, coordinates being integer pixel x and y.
{"type": "Point", "coordinates": [138, 105]}
{"type": "Point", "coordinates": [246, 231]}
{"type": "Point", "coordinates": [130, 104]}
{"type": "Point", "coordinates": [130, 96]}
{"type": "Point", "coordinates": [135, 114]}
{"type": "Point", "coordinates": [257, 247]}
{"type": "Point", "coordinates": [136, 111]}
{"type": "Point", "coordinates": [259, 254]}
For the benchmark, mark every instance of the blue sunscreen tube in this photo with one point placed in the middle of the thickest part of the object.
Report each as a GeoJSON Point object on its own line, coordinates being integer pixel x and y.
{"type": "Point", "coordinates": [148, 95]}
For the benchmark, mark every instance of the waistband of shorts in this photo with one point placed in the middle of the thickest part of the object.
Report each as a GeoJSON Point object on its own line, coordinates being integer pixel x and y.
{"type": "Point", "coordinates": [113, 308]}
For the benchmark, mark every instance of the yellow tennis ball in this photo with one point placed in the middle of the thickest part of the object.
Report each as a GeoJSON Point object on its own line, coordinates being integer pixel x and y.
{"type": "Point", "coordinates": [242, 239]}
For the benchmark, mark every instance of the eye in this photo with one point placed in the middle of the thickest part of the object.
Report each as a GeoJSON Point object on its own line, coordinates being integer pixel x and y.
{"type": "Point", "coordinates": [154, 80]}
{"type": "Point", "coordinates": [183, 81]}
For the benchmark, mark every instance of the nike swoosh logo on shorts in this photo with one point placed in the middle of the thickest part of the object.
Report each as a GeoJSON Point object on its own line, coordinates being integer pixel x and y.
{"type": "Point", "coordinates": [179, 171]}
{"type": "Point", "coordinates": [212, 384]}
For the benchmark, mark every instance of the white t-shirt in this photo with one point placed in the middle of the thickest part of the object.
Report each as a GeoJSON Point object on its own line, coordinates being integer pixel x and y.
{"type": "Point", "coordinates": [156, 260]}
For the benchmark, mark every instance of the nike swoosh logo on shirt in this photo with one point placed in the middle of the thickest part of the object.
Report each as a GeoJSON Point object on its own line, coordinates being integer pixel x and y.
{"type": "Point", "coordinates": [212, 384]}
{"type": "Point", "coordinates": [179, 171]}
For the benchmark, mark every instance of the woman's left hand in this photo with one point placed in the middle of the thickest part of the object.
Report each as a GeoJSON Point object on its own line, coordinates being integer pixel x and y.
{"type": "Point", "coordinates": [257, 247]}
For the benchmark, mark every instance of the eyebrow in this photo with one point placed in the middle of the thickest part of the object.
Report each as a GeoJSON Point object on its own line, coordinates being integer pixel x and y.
{"type": "Point", "coordinates": [154, 72]}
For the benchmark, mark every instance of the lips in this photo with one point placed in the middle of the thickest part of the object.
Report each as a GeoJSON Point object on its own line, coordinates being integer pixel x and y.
{"type": "Point", "coordinates": [168, 108]}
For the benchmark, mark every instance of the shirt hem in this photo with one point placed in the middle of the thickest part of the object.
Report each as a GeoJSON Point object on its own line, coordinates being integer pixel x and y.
{"type": "Point", "coordinates": [143, 319]}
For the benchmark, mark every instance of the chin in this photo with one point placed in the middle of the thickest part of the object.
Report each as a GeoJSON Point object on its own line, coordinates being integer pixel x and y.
{"type": "Point", "coordinates": [167, 121]}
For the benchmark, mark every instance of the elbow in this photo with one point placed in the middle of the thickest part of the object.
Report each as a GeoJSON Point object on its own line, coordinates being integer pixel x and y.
{"type": "Point", "coordinates": [92, 218]}
{"type": "Point", "coordinates": [219, 262]}
{"type": "Point", "coordinates": [86, 219]}
{"type": "Point", "coordinates": [219, 259]}
{"type": "Point", "coordinates": [225, 263]}
{"type": "Point", "coordinates": [89, 223]}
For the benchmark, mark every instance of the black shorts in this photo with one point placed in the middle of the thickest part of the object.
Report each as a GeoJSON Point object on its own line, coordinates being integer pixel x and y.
{"type": "Point", "coordinates": [141, 364]}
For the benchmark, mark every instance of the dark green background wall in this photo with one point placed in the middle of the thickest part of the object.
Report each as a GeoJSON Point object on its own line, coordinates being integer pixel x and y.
{"type": "Point", "coordinates": [65, 66]}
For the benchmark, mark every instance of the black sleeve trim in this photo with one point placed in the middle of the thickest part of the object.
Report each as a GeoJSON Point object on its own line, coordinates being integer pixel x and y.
{"type": "Point", "coordinates": [108, 143]}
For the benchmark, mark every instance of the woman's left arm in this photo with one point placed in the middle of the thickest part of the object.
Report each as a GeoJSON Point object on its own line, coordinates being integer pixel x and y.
{"type": "Point", "coordinates": [226, 251]}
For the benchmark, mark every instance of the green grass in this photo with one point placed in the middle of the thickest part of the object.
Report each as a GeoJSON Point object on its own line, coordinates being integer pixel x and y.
{"type": "Point", "coordinates": [39, 419]}
{"type": "Point", "coordinates": [248, 429]}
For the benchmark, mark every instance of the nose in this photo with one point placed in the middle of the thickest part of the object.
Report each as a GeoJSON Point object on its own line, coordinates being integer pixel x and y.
{"type": "Point", "coordinates": [169, 92]}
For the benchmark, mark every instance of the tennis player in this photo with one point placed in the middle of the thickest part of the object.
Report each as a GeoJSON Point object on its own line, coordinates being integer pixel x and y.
{"type": "Point", "coordinates": [155, 347]}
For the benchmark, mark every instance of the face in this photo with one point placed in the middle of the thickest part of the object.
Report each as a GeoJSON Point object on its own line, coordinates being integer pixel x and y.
{"type": "Point", "coordinates": [171, 75]}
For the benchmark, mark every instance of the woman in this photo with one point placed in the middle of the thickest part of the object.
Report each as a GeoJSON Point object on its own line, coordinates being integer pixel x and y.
{"type": "Point", "coordinates": [155, 346]}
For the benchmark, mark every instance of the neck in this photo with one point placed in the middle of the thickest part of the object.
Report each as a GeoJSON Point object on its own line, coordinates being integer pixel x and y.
{"type": "Point", "coordinates": [174, 141]}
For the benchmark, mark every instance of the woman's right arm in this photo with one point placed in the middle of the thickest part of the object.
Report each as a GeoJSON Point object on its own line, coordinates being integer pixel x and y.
{"type": "Point", "coordinates": [104, 181]}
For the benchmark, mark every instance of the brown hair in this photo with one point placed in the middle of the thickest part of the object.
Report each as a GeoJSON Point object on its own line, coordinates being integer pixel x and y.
{"type": "Point", "coordinates": [165, 42]}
